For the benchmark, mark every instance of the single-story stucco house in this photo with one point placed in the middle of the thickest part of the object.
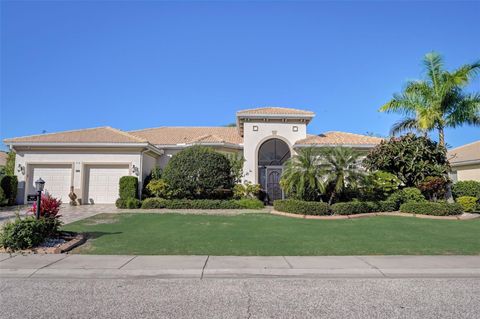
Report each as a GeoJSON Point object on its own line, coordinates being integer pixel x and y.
{"type": "Point", "coordinates": [465, 162]}
{"type": "Point", "coordinates": [93, 160]}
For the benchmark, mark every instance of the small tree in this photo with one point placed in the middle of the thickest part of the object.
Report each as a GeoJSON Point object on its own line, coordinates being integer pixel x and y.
{"type": "Point", "coordinates": [198, 172]}
{"type": "Point", "coordinates": [411, 158]}
{"type": "Point", "coordinates": [10, 165]}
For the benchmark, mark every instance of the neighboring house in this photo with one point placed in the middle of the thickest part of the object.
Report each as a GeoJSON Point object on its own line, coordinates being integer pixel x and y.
{"type": "Point", "coordinates": [93, 160]}
{"type": "Point", "coordinates": [465, 162]}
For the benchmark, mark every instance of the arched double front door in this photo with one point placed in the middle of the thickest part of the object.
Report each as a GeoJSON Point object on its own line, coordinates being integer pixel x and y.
{"type": "Point", "coordinates": [272, 154]}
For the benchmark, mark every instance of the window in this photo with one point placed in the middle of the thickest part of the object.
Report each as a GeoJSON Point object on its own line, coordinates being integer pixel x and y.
{"type": "Point", "coordinates": [273, 152]}
{"type": "Point", "coordinates": [295, 128]}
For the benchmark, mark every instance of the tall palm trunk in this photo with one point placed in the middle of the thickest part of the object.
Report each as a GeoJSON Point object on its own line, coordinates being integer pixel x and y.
{"type": "Point", "coordinates": [332, 196]}
{"type": "Point", "coordinates": [441, 136]}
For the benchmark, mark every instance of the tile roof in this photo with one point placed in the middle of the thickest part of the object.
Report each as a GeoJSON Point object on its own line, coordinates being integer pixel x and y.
{"type": "Point", "coordinates": [92, 135]}
{"type": "Point", "coordinates": [339, 138]}
{"type": "Point", "coordinates": [189, 135]}
{"type": "Point", "coordinates": [274, 111]}
{"type": "Point", "coordinates": [465, 153]}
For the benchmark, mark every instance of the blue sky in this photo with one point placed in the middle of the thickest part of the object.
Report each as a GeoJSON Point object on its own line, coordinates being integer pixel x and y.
{"type": "Point", "coordinates": [131, 65]}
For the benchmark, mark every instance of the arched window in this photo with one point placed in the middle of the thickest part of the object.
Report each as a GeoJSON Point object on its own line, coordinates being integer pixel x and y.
{"type": "Point", "coordinates": [273, 152]}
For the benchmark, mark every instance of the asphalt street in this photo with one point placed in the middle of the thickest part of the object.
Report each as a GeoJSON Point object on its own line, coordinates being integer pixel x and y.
{"type": "Point", "coordinates": [240, 298]}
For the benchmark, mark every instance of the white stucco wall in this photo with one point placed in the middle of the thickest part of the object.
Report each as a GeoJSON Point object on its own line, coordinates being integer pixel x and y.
{"type": "Point", "coordinates": [253, 140]}
{"type": "Point", "coordinates": [78, 160]}
{"type": "Point", "coordinates": [467, 173]}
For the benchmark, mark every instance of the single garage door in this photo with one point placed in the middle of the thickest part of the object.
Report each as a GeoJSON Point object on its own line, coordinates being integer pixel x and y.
{"type": "Point", "coordinates": [58, 179]}
{"type": "Point", "coordinates": [102, 182]}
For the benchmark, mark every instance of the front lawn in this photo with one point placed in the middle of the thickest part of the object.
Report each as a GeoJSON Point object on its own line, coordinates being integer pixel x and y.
{"type": "Point", "coordinates": [263, 234]}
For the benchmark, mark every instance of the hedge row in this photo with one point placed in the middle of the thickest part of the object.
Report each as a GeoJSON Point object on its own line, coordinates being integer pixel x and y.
{"type": "Point", "coordinates": [432, 208]}
{"type": "Point", "coordinates": [350, 208]}
{"type": "Point", "coordinates": [301, 207]}
{"type": "Point", "coordinates": [151, 203]}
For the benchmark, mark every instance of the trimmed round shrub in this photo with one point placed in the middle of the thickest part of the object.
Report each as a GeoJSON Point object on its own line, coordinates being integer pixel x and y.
{"type": "Point", "coordinates": [198, 172]}
{"type": "Point", "coordinates": [250, 203]}
{"type": "Point", "coordinates": [9, 184]}
{"type": "Point", "coordinates": [466, 188]}
{"type": "Point", "coordinates": [152, 203]}
{"type": "Point", "coordinates": [301, 207]}
{"type": "Point", "coordinates": [128, 187]}
{"type": "Point", "coordinates": [352, 208]}
{"type": "Point", "coordinates": [468, 203]}
{"type": "Point", "coordinates": [432, 208]}
{"type": "Point", "coordinates": [407, 194]}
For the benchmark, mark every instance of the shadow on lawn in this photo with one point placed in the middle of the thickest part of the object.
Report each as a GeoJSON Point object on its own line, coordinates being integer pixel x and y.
{"type": "Point", "coordinates": [98, 234]}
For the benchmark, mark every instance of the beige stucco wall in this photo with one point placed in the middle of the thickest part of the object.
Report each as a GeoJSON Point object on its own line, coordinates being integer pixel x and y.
{"type": "Point", "coordinates": [467, 173]}
{"type": "Point", "coordinates": [78, 159]}
{"type": "Point", "coordinates": [253, 140]}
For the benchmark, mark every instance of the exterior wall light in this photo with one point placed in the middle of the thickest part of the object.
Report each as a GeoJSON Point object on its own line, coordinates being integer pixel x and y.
{"type": "Point", "coordinates": [255, 128]}
{"type": "Point", "coordinates": [135, 170]}
{"type": "Point", "coordinates": [21, 169]}
{"type": "Point", "coordinates": [295, 128]}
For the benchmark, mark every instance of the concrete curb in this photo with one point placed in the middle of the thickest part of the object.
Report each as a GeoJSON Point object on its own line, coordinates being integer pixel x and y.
{"type": "Point", "coordinates": [205, 267]}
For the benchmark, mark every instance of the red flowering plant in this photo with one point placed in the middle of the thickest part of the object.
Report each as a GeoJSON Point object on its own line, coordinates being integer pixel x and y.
{"type": "Point", "coordinates": [49, 207]}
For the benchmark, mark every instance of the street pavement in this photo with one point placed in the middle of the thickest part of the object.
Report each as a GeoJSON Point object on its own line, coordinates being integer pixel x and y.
{"type": "Point", "coordinates": [277, 298]}
{"type": "Point", "coordinates": [96, 286]}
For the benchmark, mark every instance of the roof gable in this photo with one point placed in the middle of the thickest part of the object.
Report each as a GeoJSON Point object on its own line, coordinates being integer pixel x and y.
{"type": "Point", "coordinates": [465, 153]}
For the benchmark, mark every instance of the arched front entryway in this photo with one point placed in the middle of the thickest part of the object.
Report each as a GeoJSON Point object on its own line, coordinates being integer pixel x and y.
{"type": "Point", "coordinates": [272, 154]}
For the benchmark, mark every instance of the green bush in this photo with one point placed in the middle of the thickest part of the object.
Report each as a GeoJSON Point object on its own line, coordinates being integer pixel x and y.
{"type": "Point", "coordinates": [27, 232]}
{"type": "Point", "coordinates": [352, 208]}
{"type": "Point", "coordinates": [130, 203]}
{"type": "Point", "coordinates": [151, 203]}
{"type": "Point", "coordinates": [406, 195]}
{"type": "Point", "coordinates": [128, 187]}
{"type": "Point", "coordinates": [387, 206]}
{"type": "Point", "coordinates": [468, 203]}
{"type": "Point", "coordinates": [246, 190]}
{"type": "Point", "coordinates": [198, 172]}
{"type": "Point", "coordinates": [9, 184]}
{"type": "Point", "coordinates": [379, 185]}
{"type": "Point", "coordinates": [3, 199]}
{"type": "Point", "coordinates": [159, 188]}
{"type": "Point", "coordinates": [432, 208]}
{"type": "Point", "coordinates": [466, 188]}
{"type": "Point", "coordinates": [301, 207]}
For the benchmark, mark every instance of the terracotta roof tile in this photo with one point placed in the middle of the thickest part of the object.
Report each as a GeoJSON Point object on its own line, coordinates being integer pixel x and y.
{"type": "Point", "coordinates": [274, 111]}
{"type": "Point", "coordinates": [339, 138]}
{"type": "Point", "coordinates": [464, 153]}
{"type": "Point", "coordinates": [189, 135]}
{"type": "Point", "coordinates": [93, 135]}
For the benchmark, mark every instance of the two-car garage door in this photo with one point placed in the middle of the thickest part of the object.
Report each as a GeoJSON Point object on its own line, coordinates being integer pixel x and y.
{"type": "Point", "coordinates": [102, 182]}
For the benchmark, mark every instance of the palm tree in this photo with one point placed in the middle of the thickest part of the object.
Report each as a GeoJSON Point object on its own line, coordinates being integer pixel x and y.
{"type": "Point", "coordinates": [340, 167]}
{"type": "Point", "coordinates": [302, 176]}
{"type": "Point", "coordinates": [438, 101]}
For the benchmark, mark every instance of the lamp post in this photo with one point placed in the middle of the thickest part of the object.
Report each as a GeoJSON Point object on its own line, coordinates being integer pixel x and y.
{"type": "Point", "coordinates": [39, 184]}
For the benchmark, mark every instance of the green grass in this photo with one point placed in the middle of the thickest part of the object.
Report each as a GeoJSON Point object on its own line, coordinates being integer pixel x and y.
{"type": "Point", "coordinates": [263, 234]}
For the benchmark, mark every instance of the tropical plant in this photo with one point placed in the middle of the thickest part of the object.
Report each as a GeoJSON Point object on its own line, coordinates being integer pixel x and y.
{"type": "Point", "coordinates": [246, 190]}
{"type": "Point", "coordinates": [411, 158]}
{"type": "Point", "coordinates": [468, 203]}
{"type": "Point", "coordinates": [49, 206]}
{"type": "Point", "coordinates": [438, 101]}
{"type": "Point", "coordinates": [378, 185]}
{"type": "Point", "coordinates": [434, 187]}
{"type": "Point", "coordinates": [302, 176]}
{"type": "Point", "coordinates": [340, 168]}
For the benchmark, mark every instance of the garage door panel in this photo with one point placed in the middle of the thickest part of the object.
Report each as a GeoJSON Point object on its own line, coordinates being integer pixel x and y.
{"type": "Point", "coordinates": [58, 179]}
{"type": "Point", "coordinates": [103, 183]}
